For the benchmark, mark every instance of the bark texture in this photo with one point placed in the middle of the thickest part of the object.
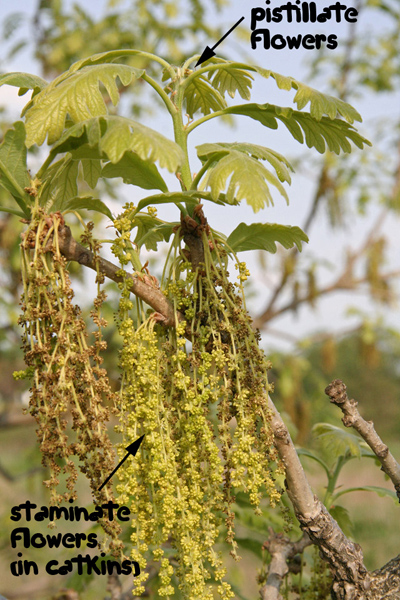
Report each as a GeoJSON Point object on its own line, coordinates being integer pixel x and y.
{"type": "Point", "coordinates": [143, 285]}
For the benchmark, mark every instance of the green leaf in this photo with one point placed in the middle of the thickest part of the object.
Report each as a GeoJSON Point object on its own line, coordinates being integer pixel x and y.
{"type": "Point", "coordinates": [76, 94]}
{"type": "Point", "coordinates": [11, 211]}
{"type": "Point", "coordinates": [320, 104]}
{"type": "Point", "coordinates": [243, 175]}
{"type": "Point", "coordinates": [337, 441]}
{"type": "Point", "coordinates": [88, 203]}
{"type": "Point", "coordinates": [59, 185]}
{"type": "Point", "coordinates": [263, 236]}
{"type": "Point", "coordinates": [24, 81]}
{"type": "Point", "coordinates": [281, 165]}
{"type": "Point", "coordinates": [13, 169]}
{"type": "Point", "coordinates": [382, 492]}
{"type": "Point", "coordinates": [136, 171]}
{"type": "Point", "coordinates": [91, 171]}
{"type": "Point", "coordinates": [231, 80]}
{"type": "Point", "coordinates": [111, 136]}
{"type": "Point", "coordinates": [335, 135]}
{"type": "Point", "coordinates": [251, 545]}
{"type": "Point", "coordinates": [342, 517]}
{"type": "Point", "coordinates": [151, 230]}
{"type": "Point", "coordinates": [201, 96]}
{"type": "Point", "coordinates": [313, 456]}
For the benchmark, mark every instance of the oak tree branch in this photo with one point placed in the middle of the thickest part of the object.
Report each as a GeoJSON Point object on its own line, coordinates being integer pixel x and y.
{"type": "Point", "coordinates": [352, 418]}
{"type": "Point", "coordinates": [141, 285]}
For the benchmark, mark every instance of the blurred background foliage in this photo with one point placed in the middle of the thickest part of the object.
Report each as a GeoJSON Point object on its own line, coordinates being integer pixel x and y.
{"type": "Point", "coordinates": [345, 191]}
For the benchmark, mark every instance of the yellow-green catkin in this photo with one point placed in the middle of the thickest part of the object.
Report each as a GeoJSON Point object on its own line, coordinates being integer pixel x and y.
{"type": "Point", "coordinates": [199, 393]}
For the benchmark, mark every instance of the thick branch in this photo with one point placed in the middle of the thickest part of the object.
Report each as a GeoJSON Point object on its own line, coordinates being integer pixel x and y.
{"type": "Point", "coordinates": [143, 286]}
{"type": "Point", "coordinates": [351, 578]}
{"type": "Point", "coordinates": [282, 550]}
{"type": "Point", "coordinates": [352, 418]}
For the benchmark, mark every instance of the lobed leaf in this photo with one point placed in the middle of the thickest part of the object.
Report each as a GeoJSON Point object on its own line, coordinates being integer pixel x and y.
{"type": "Point", "coordinates": [136, 171]}
{"type": "Point", "coordinates": [199, 95]}
{"type": "Point", "coordinates": [242, 174]}
{"type": "Point", "coordinates": [109, 137]}
{"type": "Point", "coordinates": [320, 134]}
{"type": "Point", "coordinates": [13, 168]}
{"type": "Point", "coordinates": [88, 203]}
{"type": "Point", "coordinates": [24, 81]}
{"type": "Point", "coordinates": [342, 516]}
{"type": "Point", "coordinates": [77, 94]}
{"type": "Point", "coordinates": [337, 441]}
{"type": "Point", "coordinates": [320, 104]}
{"type": "Point", "coordinates": [92, 171]}
{"type": "Point", "coordinates": [382, 492]}
{"type": "Point", "coordinates": [59, 185]}
{"type": "Point", "coordinates": [263, 236]}
{"type": "Point", "coordinates": [231, 80]}
{"type": "Point", "coordinates": [151, 230]}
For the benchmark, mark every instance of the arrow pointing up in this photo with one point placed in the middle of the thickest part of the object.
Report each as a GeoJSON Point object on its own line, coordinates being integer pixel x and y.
{"type": "Point", "coordinates": [132, 451]}
{"type": "Point", "coordinates": [209, 52]}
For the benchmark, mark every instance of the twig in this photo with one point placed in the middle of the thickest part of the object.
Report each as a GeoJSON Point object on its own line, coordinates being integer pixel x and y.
{"type": "Point", "coordinates": [142, 285]}
{"type": "Point", "coordinates": [343, 283]}
{"type": "Point", "coordinates": [282, 550]}
{"type": "Point", "coordinates": [352, 418]}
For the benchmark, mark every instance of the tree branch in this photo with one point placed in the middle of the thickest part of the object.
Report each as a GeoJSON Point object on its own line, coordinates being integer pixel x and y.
{"type": "Point", "coordinates": [343, 283]}
{"type": "Point", "coordinates": [282, 550]}
{"type": "Point", "coordinates": [352, 418]}
{"type": "Point", "coordinates": [143, 285]}
{"type": "Point", "coordinates": [351, 578]}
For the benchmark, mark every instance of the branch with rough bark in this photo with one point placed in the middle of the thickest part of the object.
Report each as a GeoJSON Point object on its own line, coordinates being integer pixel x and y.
{"type": "Point", "coordinates": [283, 552]}
{"type": "Point", "coordinates": [351, 578]}
{"type": "Point", "coordinates": [352, 581]}
{"type": "Point", "coordinates": [352, 418]}
{"type": "Point", "coordinates": [142, 285]}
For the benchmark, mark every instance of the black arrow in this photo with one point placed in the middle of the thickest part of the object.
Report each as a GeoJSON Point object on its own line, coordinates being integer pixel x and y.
{"type": "Point", "coordinates": [132, 449]}
{"type": "Point", "coordinates": [209, 52]}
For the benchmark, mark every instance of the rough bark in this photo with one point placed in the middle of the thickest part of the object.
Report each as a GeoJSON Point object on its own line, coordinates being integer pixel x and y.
{"type": "Point", "coordinates": [352, 418]}
{"type": "Point", "coordinates": [351, 578]}
{"type": "Point", "coordinates": [282, 551]}
{"type": "Point", "coordinates": [143, 285]}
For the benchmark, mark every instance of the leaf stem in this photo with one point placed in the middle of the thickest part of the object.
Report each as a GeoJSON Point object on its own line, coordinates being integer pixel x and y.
{"type": "Point", "coordinates": [216, 67]}
{"type": "Point", "coordinates": [133, 52]}
{"type": "Point", "coordinates": [218, 113]}
{"type": "Point", "coordinates": [200, 174]}
{"type": "Point", "coordinates": [157, 87]}
{"type": "Point", "coordinates": [45, 165]}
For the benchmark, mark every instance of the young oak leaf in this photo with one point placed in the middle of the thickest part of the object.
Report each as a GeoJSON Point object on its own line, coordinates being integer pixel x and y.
{"type": "Point", "coordinates": [13, 169]}
{"type": "Point", "coordinates": [231, 80]}
{"type": "Point", "coordinates": [320, 104]}
{"type": "Point", "coordinates": [320, 134]}
{"type": "Point", "coordinates": [200, 96]}
{"type": "Point", "coordinates": [77, 95]}
{"type": "Point", "coordinates": [243, 177]}
{"type": "Point", "coordinates": [23, 81]}
{"type": "Point", "coordinates": [110, 137]}
{"type": "Point", "coordinates": [59, 184]}
{"type": "Point", "coordinates": [151, 230]}
{"type": "Point", "coordinates": [263, 236]}
{"type": "Point", "coordinates": [136, 171]}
